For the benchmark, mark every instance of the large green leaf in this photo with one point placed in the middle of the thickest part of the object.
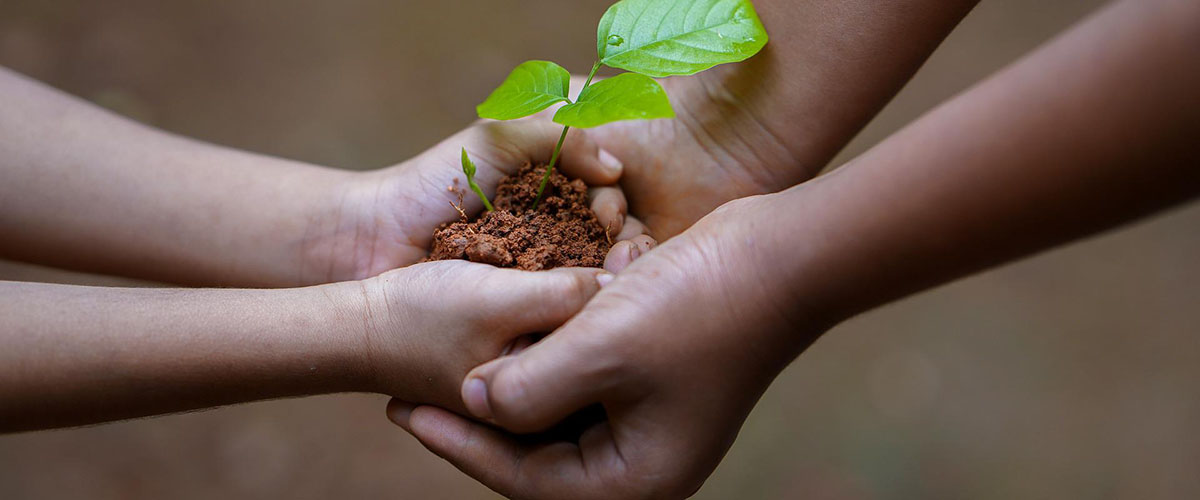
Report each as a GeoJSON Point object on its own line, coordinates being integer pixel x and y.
{"type": "Point", "coordinates": [678, 37]}
{"type": "Point", "coordinates": [531, 87]}
{"type": "Point", "coordinates": [628, 96]}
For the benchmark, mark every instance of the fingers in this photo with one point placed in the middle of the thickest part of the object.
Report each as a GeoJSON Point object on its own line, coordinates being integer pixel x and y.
{"type": "Point", "coordinates": [632, 227]}
{"type": "Point", "coordinates": [500, 462]}
{"type": "Point", "coordinates": [540, 301]}
{"type": "Point", "coordinates": [583, 159]}
{"type": "Point", "coordinates": [499, 148]}
{"type": "Point", "coordinates": [541, 386]}
{"type": "Point", "coordinates": [625, 252]}
{"type": "Point", "coordinates": [480, 452]}
{"type": "Point", "coordinates": [517, 345]}
{"type": "Point", "coordinates": [399, 411]}
{"type": "Point", "coordinates": [609, 205]}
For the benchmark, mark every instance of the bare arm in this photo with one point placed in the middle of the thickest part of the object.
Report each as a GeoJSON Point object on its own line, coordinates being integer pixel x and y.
{"type": "Point", "coordinates": [829, 68]}
{"type": "Point", "coordinates": [1098, 128]}
{"type": "Point", "coordinates": [778, 118]}
{"type": "Point", "coordinates": [1095, 129]}
{"type": "Point", "coordinates": [73, 355]}
{"type": "Point", "coordinates": [85, 189]}
{"type": "Point", "coordinates": [76, 355]}
{"type": "Point", "coordinates": [82, 188]}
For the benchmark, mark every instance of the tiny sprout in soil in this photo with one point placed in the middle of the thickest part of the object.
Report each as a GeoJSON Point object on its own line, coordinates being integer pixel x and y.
{"type": "Point", "coordinates": [647, 38]}
{"type": "Point", "coordinates": [469, 170]}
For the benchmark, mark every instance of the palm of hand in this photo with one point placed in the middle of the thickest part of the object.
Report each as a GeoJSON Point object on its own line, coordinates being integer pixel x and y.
{"type": "Point", "coordinates": [714, 351]}
{"type": "Point", "coordinates": [385, 219]}
{"type": "Point", "coordinates": [717, 149]}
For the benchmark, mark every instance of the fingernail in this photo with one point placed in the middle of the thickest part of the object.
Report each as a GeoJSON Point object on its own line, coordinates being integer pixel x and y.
{"type": "Point", "coordinates": [604, 278]}
{"type": "Point", "coordinates": [399, 414]}
{"type": "Point", "coordinates": [476, 398]}
{"type": "Point", "coordinates": [611, 162]}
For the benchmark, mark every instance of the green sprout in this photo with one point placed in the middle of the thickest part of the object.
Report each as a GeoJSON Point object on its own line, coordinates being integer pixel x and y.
{"type": "Point", "coordinates": [650, 38]}
{"type": "Point", "coordinates": [469, 170]}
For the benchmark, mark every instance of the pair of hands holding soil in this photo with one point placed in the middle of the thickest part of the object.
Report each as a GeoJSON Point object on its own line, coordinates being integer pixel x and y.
{"type": "Point", "coordinates": [679, 346]}
{"type": "Point", "coordinates": [634, 345]}
{"type": "Point", "coordinates": [675, 342]}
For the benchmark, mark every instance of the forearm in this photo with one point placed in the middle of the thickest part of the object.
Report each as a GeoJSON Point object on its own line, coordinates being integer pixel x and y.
{"type": "Point", "coordinates": [830, 66]}
{"type": "Point", "coordinates": [1093, 130]}
{"type": "Point", "coordinates": [82, 188]}
{"type": "Point", "coordinates": [79, 355]}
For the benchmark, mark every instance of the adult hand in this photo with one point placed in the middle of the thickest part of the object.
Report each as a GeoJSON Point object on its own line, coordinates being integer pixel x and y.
{"type": "Point", "coordinates": [679, 346]}
{"type": "Point", "coordinates": [677, 349]}
{"type": "Point", "coordinates": [778, 118]}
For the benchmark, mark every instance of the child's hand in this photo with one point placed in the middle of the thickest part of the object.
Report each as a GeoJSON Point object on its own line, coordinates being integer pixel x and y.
{"type": "Point", "coordinates": [385, 219]}
{"type": "Point", "coordinates": [427, 325]}
{"type": "Point", "coordinates": [677, 349]}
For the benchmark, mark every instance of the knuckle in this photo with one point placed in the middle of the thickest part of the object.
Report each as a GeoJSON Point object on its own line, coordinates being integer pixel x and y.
{"type": "Point", "coordinates": [509, 391]}
{"type": "Point", "coordinates": [576, 289]}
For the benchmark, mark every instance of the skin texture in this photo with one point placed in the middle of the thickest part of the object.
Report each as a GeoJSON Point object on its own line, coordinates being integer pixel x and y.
{"type": "Point", "coordinates": [152, 205]}
{"type": "Point", "coordinates": [77, 355]}
{"type": "Point", "coordinates": [1089, 132]}
{"type": "Point", "coordinates": [777, 119]}
{"type": "Point", "coordinates": [84, 189]}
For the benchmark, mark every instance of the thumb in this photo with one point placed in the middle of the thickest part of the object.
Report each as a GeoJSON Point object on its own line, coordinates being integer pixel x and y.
{"type": "Point", "coordinates": [541, 386]}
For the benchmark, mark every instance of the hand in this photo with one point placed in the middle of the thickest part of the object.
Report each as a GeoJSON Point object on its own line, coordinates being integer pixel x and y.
{"type": "Point", "coordinates": [677, 349]}
{"type": "Point", "coordinates": [425, 326]}
{"type": "Point", "coordinates": [385, 219]}
{"type": "Point", "coordinates": [717, 149]}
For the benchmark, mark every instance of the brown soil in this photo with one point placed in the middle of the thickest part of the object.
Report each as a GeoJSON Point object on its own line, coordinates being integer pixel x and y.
{"type": "Point", "coordinates": [562, 232]}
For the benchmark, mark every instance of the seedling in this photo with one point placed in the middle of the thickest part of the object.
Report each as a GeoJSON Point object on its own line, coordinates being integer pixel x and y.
{"type": "Point", "coordinates": [649, 38]}
{"type": "Point", "coordinates": [469, 170]}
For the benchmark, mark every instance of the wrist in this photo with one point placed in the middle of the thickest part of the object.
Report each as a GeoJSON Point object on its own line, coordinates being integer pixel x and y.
{"type": "Point", "coordinates": [327, 242]}
{"type": "Point", "coordinates": [779, 259]}
{"type": "Point", "coordinates": [824, 273]}
{"type": "Point", "coordinates": [346, 315]}
{"type": "Point", "coordinates": [259, 230]}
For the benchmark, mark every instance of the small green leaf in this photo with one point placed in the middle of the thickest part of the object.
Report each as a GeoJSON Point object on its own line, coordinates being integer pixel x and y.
{"type": "Point", "coordinates": [678, 37]}
{"type": "Point", "coordinates": [628, 96]}
{"type": "Point", "coordinates": [468, 165]}
{"type": "Point", "coordinates": [469, 169]}
{"type": "Point", "coordinates": [531, 87]}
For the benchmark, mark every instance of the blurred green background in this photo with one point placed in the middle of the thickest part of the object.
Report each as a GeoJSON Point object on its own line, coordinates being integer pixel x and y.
{"type": "Point", "coordinates": [1069, 375]}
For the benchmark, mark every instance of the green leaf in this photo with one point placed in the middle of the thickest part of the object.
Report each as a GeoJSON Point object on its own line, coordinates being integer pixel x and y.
{"type": "Point", "coordinates": [678, 37]}
{"type": "Point", "coordinates": [468, 166]}
{"type": "Point", "coordinates": [469, 169]}
{"type": "Point", "coordinates": [531, 87]}
{"type": "Point", "coordinates": [628, 96]}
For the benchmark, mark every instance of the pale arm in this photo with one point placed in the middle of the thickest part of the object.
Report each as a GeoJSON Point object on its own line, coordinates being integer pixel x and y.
{"type": "Point", "coordinates": [82, 188]}
{"type": "Point", "coordinates": [74, 355]}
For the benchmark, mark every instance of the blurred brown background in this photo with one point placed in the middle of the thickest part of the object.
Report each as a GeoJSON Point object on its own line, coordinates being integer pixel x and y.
{"type": "Point", "coordinates": [1070, 375]}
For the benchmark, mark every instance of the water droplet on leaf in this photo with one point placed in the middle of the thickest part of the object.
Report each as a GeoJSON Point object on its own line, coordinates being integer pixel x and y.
{"type": "Point", "coordinates": [615, 40]}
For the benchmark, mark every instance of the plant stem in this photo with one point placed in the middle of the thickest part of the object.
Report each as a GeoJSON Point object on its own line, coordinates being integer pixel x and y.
{"type": "Point", "coordinates": [592, 74]}
{"type": "Point", "coordinates": [558, 147]}
{"type": "Point", "coordinates": [550, 167]}
{"type": "Point", "coordinates": [479, 192]}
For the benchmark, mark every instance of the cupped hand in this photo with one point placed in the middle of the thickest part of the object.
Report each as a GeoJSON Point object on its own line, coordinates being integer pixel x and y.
{"type": "Point", "coordinates": [425, 326]}
{"type": "Point", "coordinates": [677, 349]}
{"type": "Point", "coordinates": [720, 147]}
{"type": "Point", "coordinates": [385, 219]}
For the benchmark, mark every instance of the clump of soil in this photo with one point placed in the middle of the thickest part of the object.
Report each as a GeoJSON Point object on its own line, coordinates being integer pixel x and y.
{"type": "Point", "coordinates": [562, 232]}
